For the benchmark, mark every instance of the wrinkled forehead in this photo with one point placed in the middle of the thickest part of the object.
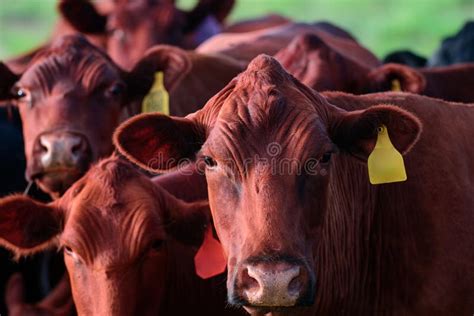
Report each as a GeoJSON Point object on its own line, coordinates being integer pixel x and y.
{"type": "Point", "coordinates": [76, 60]}
{"type": "Point", "coordinates": [112, 188]}
{"type": "Point", "coordinates": [259, 101]}
{"type": "Point", "coordinates": [272, 120]}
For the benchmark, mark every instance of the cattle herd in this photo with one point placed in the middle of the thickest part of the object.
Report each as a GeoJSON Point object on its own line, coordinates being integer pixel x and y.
{"type": "Point", "coordinates": [253, 195]}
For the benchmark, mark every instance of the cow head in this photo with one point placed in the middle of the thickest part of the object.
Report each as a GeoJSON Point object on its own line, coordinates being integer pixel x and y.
{"type": "Point", "coordinates": [396, 77]}
{"type": "Point", "coordinates": [132, 27]}
{"type": "Point", "coordinates": [71, 98]}
{"type": "Point", "coordinates": [316, 63]}
{"type": "Point", "coordinates": [325, 63]}
{"type": "Point", "coordinates": [122, 237]}
{"type": "Point", "coordinates": [270, 146]}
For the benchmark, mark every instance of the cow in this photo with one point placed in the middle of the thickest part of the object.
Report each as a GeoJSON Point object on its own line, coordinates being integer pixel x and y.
{"type": "Point", "coordinates": [130, 28]}
{"type": "Point", "coordinates": [303, 229]}
{"type": "Point", "coordinates": [246, 46]}
{"type": "Point", "coordinates": [128, 244]}
{"type": "Point", "coordinates": [323, 65]}
{"type": "Point", "coordinates": [72, 96]}
{"type": "Point", "coordinates": [405, 57]}
{"type": "Point", "coordinates": [458, 48]}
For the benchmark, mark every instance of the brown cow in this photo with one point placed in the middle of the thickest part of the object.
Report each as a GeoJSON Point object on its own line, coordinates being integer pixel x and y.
{"type": "Point", "coordinates": [293, 207]}
{"type": "Point", "coordinates": [72, 96]}
{"type": "Point", "coordinates": [128, 244]}
{"type": "Point", "coordinates": [246, 46]}
{"type": "Point", "coordinates": [324, 65]}
{"type": "Point", "coordinates": [132, 27]}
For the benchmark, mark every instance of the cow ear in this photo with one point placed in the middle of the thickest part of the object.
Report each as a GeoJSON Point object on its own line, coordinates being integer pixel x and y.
{"type": "Point", "coordinates": [187, 222]}
{"type": "Point", "coordinates": [356, 132]}
{"type": "Point", "coordinates": [8, 79]}
{"type": "Point", "coordinates": [83, 16]}
{"type": "Point", "coordinates": [397, 77]}
{"type": "Point", "coordinates": [172, 61]}
{"type": "Point", "coordinates": [27, 226]}
{"type": "Point", "coordinates": [158, 143]}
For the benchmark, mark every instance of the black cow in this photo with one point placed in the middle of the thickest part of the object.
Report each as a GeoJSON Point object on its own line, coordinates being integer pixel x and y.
{"type": "Point", "coordinates": [455, 49]}
{"type": "Point", "coordinates": [405, 57]}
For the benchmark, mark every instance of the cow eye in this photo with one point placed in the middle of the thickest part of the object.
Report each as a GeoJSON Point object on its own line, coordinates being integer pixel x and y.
{"type": "Point", "coordinates": [20, 93]}
{"type": "Point", "coordinates": [23, 96]}
{"type": "Point", "coordinates": [68, 251]}
{"type": "Point", "coordinates": [157, 245]}
{"type": "Point", "coordinates": [116, 90]}
{"type": "Point", "coordinates": [209, 161]}
{"type": "Point", "coordinates": [326, 157]}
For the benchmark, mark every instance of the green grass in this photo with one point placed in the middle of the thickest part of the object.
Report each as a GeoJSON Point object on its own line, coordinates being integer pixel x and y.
{"type": "Point", "coordinates": [381, 25]}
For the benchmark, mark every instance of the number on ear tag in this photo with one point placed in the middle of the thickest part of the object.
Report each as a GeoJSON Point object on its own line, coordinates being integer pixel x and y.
{"type": "Point", "coordinates": [385, 163]}
{"type": "Point", "coordinates": [157, 100]}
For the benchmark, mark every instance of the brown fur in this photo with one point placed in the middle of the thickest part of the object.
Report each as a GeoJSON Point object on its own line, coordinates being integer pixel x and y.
{"type": "Point", "coordinates": [129, 245]}
{"type": "Point", "coordinates": [246, 46]}
{"type": "Point", "coordinates": [70, 88]}
{"type": "Point", "coordinates": [401, 248]}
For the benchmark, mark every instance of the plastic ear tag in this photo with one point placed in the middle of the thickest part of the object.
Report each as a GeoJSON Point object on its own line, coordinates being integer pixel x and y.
{"type": "Point", "coordinates": [157, 100]}
{"type": "Point", "coordinates": [210, 259]}
{"type": "Point", "coordinates": [396, 86]}
{"type": "Point", "coordinates": [385, 162]}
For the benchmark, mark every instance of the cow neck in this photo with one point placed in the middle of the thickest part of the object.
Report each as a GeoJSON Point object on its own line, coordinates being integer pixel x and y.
{"type": "Point", "coordinates": [364, 259]}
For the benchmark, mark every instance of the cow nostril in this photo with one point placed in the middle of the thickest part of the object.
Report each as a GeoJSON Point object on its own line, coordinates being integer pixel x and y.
{"type": "Point", "coordinates": [44, 145]}
{"type": "Point", "coordinates": [43, 148]}
{"type": "Point", "coordinates": [295, 285]}
{"type": "Point", "coordinates": [76, 148]}
{"type": "Point", "coordinates": [248, 282]}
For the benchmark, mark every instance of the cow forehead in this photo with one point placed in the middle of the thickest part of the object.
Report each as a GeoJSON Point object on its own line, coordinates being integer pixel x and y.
{"type": "Point", "coordinates": [113, 185]}
{"type": "Point", "coordinates": [113, 211]}
{"type": "Point", "coordinates": [266, 106]}
{"type": "Point", "coordinates": [71, 59]}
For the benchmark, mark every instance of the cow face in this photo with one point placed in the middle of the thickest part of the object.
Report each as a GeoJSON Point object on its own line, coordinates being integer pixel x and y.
{"type": "Point", "coordinates": [121, 237]}
{"type": "Point", "coordinates": [136, 26]}
{"type": "Point", "coordinates": [71, 97]}
{"type": "Point", "coordinates": [270, 147]}
{"type": "Point", "coordinates": [132, 27]}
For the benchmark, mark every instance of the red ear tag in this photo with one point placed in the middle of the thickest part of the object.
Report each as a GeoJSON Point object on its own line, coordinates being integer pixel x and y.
{"type": "Point", "coordinates": [210, 259]}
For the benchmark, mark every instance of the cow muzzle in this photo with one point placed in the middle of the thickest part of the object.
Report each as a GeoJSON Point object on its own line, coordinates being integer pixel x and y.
{"type": "Point", "coordinates": [274, 284]}
{"type": "Point", "coordinates": [60, 158]}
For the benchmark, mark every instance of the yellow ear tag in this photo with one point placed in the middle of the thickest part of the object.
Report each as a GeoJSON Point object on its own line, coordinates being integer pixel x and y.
{"type": "Point", "coordinates": [396, 86]}
{"type": "Point", "coordinates": [157, 100]}
{"type": "Point", "coordinates": [385, 162]}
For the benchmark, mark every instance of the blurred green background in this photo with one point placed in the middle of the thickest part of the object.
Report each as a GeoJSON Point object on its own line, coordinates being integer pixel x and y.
{"type": "Point", "coordinates": [381, 25]}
